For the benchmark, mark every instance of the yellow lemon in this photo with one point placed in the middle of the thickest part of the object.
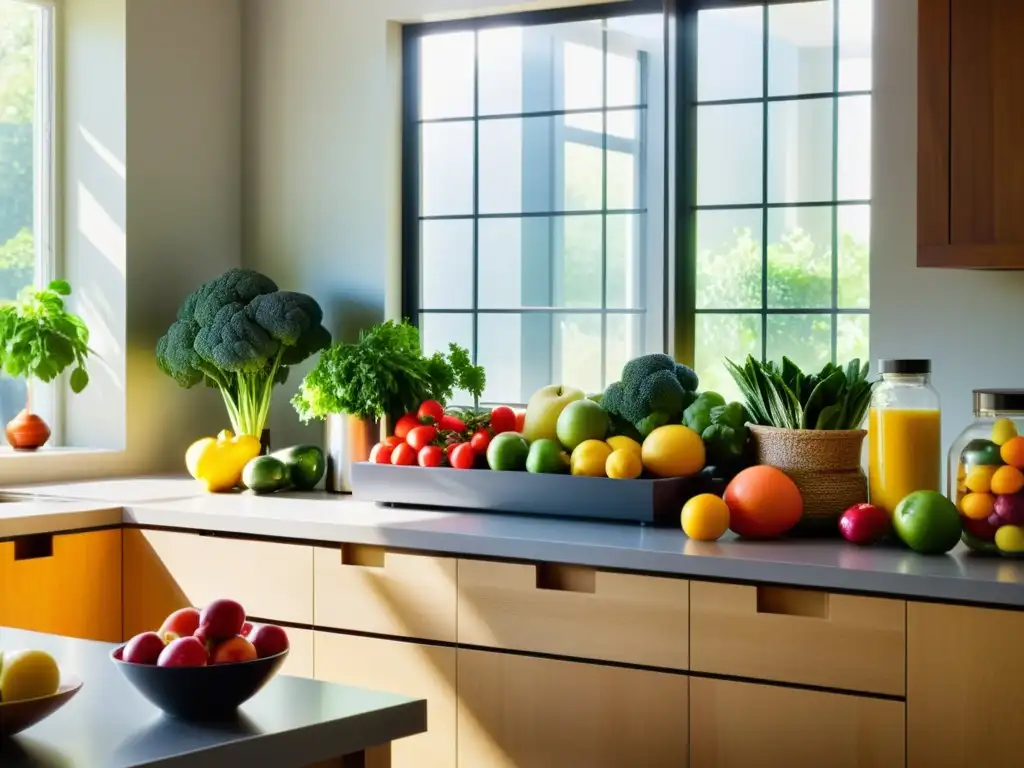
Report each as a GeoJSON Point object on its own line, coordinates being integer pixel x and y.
{"type": "Point", "coordinates": [621, 442]}
{"type": "Point", "coordinates": [589, 457]}
{"type": "Point", "coordinates": [623, 464]}
{"type": "Point", "coordinates": [673, 451]}
{"type": "Point", "coordinates": [979, 479]}
{"type": "Point", "coordinates": [705, 517]}
{"type": "Point", "coordinates": [1010, 538]}
{"type": "Point", "coordinates": [1003, 431]}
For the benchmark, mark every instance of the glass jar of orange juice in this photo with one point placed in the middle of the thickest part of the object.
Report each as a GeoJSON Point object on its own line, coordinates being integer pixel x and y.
{"type": "Point", "coordinates": [904, 433]}
{"type": "Point", "coordinates": [986, 473]}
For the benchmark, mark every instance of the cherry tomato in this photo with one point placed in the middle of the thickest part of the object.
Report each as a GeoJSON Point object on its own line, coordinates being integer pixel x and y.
{"type": "Point", "coordinates": [404, 424]}
{"type": "Point", "coordinates": [393, 440]}
{"type": "Point", "coordinates": [480, 440]}
{"type": "Point", "coordinates": [430, 412]}
{"type": "Point", "coordinates": [380, 454]}
{"type": "Point", "coordinates": [403, 455]}
{"type": "Point", "coordinates": [462, 456]}
{"type": "Point", "coordinates": [421, 436]}
{"type": "Point", "coordinates": [503, 419]}
{"type": "Point", "coordinates": [520, 420]}
{"type": "Point", "coordinates": [430, 456]}
{"type": "Point", "coordinates": [452, 423]}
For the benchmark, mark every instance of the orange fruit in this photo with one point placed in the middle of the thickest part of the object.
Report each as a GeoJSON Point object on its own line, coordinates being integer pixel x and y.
{"type": "Point", "coordinates": [1012, 452]}
{"type": "Point", "coordinates": [763, 502]}
{"type": "Point", "coordinates": [977, 506]}
{"type": "Point", "coordinates": [1007, 480]}
{"type": "Point", "coordinates": [705, 517]}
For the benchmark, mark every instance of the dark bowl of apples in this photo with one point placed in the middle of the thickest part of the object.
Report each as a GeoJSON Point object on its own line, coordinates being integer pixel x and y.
{"type": "Point", "coordinates": [203, 666]}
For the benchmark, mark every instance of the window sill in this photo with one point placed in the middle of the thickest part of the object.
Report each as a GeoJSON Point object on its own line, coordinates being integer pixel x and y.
{"type": "Point", "coordinates": [6, 452]}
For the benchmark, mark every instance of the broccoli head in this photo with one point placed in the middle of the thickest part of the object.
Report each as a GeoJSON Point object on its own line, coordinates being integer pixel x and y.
{"type": "Point", "coordinates": [653, 392]}
{"type": "Point", "coordinates": [240, 333]}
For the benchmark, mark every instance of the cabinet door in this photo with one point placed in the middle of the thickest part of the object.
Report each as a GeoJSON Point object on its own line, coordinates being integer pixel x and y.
{"type": "Point", "coordinates": [421, 671]}
{"type": "Point", "coordinates": [964, 689]}
{"type": "Point", "coordinates": [971, 159]}
{"type": "Point", "coordinates": [66, 585]}
{"type": "Point", "coordinates": [527, 712]}
{"type": "Point", "coordinates": [744, 725]}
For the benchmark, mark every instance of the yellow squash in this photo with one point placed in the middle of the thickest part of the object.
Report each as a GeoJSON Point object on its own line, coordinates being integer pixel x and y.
{"type": "Point", "coordinates": [217, 462]}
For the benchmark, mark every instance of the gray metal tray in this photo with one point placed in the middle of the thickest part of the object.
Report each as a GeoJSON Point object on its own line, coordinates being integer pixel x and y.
{"type": "Point", "coordinates": [652, 502]}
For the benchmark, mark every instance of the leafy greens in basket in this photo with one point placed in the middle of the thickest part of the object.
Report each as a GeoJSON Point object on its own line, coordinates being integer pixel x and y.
{"type": "Point", "coordinates": [784, 396]}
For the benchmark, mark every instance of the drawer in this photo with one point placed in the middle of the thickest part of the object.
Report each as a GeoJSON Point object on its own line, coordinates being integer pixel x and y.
{"type": "Point", "coordinates": [64, 585]}
{"type": "Point", "coordinates": [519, 711]}
{"type": "Point", "coordinates": [745, 725]}
{"type": "Point", "coordinates": [167, 570]}
{"type": "Point", "coordinates": [372, 589]}
{"type": "Point", "coordinates": [574, 611]}
{"type": "Point", "coordinates": [799, 636]}
{"type": "Point", "coordinates": [300, 653]}
{"type": "Point", "coordinates": [410, 669]}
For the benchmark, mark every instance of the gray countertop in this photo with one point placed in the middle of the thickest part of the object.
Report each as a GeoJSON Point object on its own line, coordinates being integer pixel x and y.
{"type": "Point", "coordinates": [292, 722]}
{"type": "Point", "coordinates": [830, 564]}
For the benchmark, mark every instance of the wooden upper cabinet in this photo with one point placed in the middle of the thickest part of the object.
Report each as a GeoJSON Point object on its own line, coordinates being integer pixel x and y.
{"type": "Point", "coordinates": [970, 123]}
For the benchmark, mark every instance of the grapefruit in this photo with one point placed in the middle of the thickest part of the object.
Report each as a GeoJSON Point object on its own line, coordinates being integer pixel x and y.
{"type": "Point", "coordinates": [763, 502]}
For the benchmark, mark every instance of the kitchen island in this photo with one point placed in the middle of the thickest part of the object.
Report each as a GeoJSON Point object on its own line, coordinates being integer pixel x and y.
{"type": "Point", "coordinates": [666, 651]}
{"type": "Point", "coordinates": [291, 723]}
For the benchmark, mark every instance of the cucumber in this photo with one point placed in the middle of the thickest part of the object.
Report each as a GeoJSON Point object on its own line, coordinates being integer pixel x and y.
{"type": "Point", "coordinates": [266, 474]}
{"type": "Point", "coordinates": [306, 464]}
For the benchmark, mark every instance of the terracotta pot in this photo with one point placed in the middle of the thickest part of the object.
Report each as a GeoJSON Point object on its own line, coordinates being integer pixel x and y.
{"type": "Point", "coordinates": [349, 439]}
{"type": "Point", "coordinates": [27, 431]}
{"type": "Point", "coordinates": [825, 464]}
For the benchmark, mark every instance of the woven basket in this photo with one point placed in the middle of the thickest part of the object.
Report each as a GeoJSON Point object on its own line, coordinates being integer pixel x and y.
{"type": "Point", "coordinates": [825, 464]}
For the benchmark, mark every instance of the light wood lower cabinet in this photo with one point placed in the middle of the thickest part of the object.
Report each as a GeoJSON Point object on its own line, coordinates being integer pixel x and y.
{"type": "Point", "coordinates": [527, 712]}
{"type": "Point", "coordinates": [745, 725]}
{"type": "Point", "coordinates": [421, 671]}
{"type": "Point", "coordinates": [65, 585]}
{"type": "Point", "coordinates": [965, 690]}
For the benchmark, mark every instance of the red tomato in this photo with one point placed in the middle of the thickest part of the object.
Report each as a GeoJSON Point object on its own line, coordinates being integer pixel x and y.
{"type": "Point", "coordinates": [430, 412]}
{"type": "Point", "coordinates": [452, 423]}
{"type": "Point", "coordinates": [503, 419]}
{"type": "Point", "coordinates": [421, 436]}
{"type": "Point", "coordinates": [430, 456]}
{"type": "Point", "coordinates": [380, 454]}
{"type": "Point", "coordinates": [480, 440]}
{"type": "Point", "coordinates": [462, 456]}
{"type": "Point", "coordinates": [404, 424]}
{"type": "Point", "coordinates": [393, 440]}
{"type": "Point", "coordinates": [403, 455]}
{"type": "Point", "coordinates": [520, 420]}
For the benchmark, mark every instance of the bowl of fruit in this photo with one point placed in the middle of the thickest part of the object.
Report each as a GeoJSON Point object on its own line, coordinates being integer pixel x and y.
{"type": "Point", "coordinates": [203, 664]}
{"type": "Point", "coordinates": [31, 689]}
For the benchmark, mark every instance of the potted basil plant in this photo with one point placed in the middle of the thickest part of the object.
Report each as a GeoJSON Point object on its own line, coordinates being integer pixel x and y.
{"type": "Point", "coordinates": [358, 388]}
{"type": "Point", "coordinates": [40, 339]}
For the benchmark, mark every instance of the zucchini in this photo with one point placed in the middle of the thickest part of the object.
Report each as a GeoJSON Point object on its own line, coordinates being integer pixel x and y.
{"type": "Point", "coordinates": [306, 464]}
{"type": "Point", "coordinates": [266, 474]}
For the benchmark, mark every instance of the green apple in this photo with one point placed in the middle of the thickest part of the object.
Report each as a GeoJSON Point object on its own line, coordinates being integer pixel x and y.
{"type": "Point", "coordinates": [927, 522]}
{"type": "Point", "coordinates": [581, 420]}
{"type": "Point", "coordinates": [544, 408]}
{"type": "Point", "coordinates": [546, 457]}
{"type": "Point", "coordinates": [507, 452]}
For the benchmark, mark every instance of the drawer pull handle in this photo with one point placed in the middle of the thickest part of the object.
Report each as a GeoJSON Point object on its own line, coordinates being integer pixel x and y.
{"type": "Point", "coordinates": [363, 555]}
{"type": "Point", "coordinates": [33, 547]}
{"type": "Point", "coordinates": [566, 578]}
{"type": "Point", "coordinates": [792, 602]}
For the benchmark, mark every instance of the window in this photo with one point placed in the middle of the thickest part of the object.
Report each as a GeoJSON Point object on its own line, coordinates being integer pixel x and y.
{"type": "Point", "coordinates": [782, 214]}
{"type": "Point", "coordinates": [26, 141]}
{"type": "Point", "coordinates": [538, 240]}
{"type": "Point", "coordinates": [538, 231]}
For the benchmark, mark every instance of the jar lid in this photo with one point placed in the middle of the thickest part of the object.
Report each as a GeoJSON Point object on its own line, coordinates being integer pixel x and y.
{"type": "Point", "coordinates": [998, 400]}
{"type": "Point", "coordinates": [896, 365]}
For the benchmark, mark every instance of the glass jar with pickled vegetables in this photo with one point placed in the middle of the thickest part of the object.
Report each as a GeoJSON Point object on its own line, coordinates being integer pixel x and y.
{"type": "Point", "coordinates": [986, 473]}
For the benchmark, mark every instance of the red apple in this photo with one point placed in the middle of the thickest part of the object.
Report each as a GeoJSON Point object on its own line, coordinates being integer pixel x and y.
{"type": "Point", "coordinates": [222, 619]}
{"type": "Point", "coordinates": [182, 623]}
{"type": "Point", "coordinates": [233, 650]}
{"type": "Point", "coordinates": [269, 639]}
{"type": "Point", "coordinates": [183, 652]}
{"type": "Point", "coordinates": [202, 637]}
{"type": "Point", "coordinates": [982, 529]}
{"type": "Point", "coordinates": [144, 648]}
{"type": "Point", "coordinates": [246, 629]}
{"type": "Point", "coordinates": [864, 524]}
